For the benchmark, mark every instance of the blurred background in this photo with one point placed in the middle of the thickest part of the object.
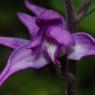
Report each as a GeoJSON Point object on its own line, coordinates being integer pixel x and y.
{"type": "Point", "coordinates": [42, 81]}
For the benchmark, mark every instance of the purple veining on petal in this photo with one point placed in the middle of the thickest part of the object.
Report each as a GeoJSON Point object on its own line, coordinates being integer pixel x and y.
{"type": "Point", "coordinates": [85, 46]}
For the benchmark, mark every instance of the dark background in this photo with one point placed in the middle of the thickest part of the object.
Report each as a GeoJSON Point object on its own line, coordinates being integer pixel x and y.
{"type": "Point", "coordinates": [41, 82]}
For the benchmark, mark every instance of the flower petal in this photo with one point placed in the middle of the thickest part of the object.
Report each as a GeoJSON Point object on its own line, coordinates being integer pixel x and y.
{"type": "Point", "coordinates": [61, 35]}
{"type": "Point", "coordinates": [21, 59]}
{"type": "Point", "coordinates": [50, 15]}
{"type": "Point", "coordinates": [85, 46]}
{"type": "Point", "coordinates": [29, 22]}
{"type": "Point", "coordinates": [35, 42]}
{"type": "Point", "coordinates": [12, 42]}
{"type": "Point", "coordinates": [35, 9]}
{"type": "Point", "coordinates": [42, 12]}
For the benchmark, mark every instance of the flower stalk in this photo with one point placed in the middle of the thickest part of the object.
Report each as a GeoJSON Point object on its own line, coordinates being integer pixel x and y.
{"type": "Point", "coordinates": [70, 64]}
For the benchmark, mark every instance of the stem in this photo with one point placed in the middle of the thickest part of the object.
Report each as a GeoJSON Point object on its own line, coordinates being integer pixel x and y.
{"type": "Point", "coordinates": [70, 16]}
{"type": "Point", "coordinates": [71, 65]}
{"type": "Point", "coordinates": [83, 9]}
{"type": "Point", "coordinates": [84, 6]}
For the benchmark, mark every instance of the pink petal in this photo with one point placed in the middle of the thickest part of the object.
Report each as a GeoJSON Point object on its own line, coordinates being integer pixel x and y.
{"type": "Point", "coordinates": [12, 42]}
{"type": "Point", "coordinates": [29, 22]}
{"type": "Point", "coordinates": [85, 46]}
{"type": "Point", "coordinates": [21, 59]}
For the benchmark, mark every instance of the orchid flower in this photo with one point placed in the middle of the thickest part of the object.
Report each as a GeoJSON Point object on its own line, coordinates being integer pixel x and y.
{"type": "Point", "coordinates": [50, 39]}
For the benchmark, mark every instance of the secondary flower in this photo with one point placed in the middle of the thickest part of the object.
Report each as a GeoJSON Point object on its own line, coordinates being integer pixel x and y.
{"type": "Point", "coordinates": [50, 39]}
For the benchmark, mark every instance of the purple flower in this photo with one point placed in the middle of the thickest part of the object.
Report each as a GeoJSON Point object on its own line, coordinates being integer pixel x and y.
{"type": "Point", "coordinates": [50, 39]}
